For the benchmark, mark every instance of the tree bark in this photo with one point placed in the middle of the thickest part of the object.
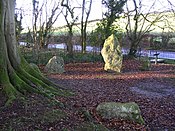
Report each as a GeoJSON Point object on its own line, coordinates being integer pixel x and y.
{"type": "Point", "coordinates": [70, 24]}
{"type": "Point", "coordinates": [17, 77]}
{"type": "Point", "coordinates": [84, 24]}
{"type": "Point", "coordinates": [69, 42]}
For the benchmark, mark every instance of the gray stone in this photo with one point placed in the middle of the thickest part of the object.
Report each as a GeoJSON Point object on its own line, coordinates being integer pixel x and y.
{"type": "Point", "coordinates": [112, 54]}
{"type": "Point", "coordinates": [126, 111]}
{"type": "Point", "coordinates": [55, 65]}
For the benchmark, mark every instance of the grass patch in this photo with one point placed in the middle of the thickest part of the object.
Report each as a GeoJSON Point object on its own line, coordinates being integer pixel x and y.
{"type": "Point", "coordinates": [169, 61]}
{"type": "Point", "coordinates": [79, 57]}
{"type": "Point", "coordinates": [44, 56]}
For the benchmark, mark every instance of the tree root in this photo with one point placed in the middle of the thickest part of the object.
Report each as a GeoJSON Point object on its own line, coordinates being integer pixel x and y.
{"type": "Point", "coordinates": [27, 80]}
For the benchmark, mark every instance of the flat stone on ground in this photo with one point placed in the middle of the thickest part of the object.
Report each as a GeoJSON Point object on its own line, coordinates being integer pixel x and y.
{"type": "Point", "coordinates": [126, 111]}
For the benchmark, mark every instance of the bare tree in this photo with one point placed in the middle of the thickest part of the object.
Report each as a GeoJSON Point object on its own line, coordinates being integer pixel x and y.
{"type": "Point", "coordinates": [139, 23]}
{"type": "Point", "coordinates": [18, 24]}
{"type": "Point", "coordinates": [168, 28]}
{"type": "Point", "coordinates": [172, 6]}
{"type": "Point", "coordinates": [84, 23]}
{"type": "Point", "coordinates": [46, 27]}
{"type": "Point", "coordinates": [36, 11]}
{"type": "Point", "coordinates": [43, 21]}
{"type": "Point", "coordinates": [70, 18]}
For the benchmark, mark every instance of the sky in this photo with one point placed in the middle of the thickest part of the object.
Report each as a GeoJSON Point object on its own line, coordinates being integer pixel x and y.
{"type": "Point", "coordinates": [26, 6]}
{"type": "Point", "coordinates": [96, 11]}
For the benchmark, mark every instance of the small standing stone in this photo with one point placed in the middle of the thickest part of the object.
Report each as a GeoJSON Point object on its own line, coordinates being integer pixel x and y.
{"type": "Point", "coordinates": [55, 65]}
{"type": "Point", "coordinates": [112, 54]}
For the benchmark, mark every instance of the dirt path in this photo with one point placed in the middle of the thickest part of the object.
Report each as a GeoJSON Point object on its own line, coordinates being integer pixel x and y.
{"type": "Point", "coordinates": [154, 89]}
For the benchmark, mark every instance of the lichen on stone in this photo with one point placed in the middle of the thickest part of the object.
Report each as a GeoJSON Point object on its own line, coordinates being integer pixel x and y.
{"type": "Point", "coordinates": [126, 111]}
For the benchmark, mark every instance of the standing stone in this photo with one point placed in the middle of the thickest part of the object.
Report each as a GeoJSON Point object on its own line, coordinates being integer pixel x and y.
{"type": "Point", "coordinates": [112, 54]}
{"type": "Point", "coordinates": [126, 111]}
{"type": "Point", "coordinates": [55, 65]}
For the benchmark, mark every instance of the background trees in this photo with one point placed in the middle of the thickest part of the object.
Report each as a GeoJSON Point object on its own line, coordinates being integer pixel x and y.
{"type": "Point", "coordinates": [71, 18]}
{"type": "Point", "coordinates": [114, 9]}
{"type": "Point", "coordinates": [18, 22]}
{"type": "Point", "coordinates": [139, 23]}
{"type": "Point", "coordinates": [140, 18]}
{"type": "Point", "coordinates": [43, 21]}
{"type": "Point", "coordinates": [108, 25]}
{"type": "Point", "coordinates": [85, 15]}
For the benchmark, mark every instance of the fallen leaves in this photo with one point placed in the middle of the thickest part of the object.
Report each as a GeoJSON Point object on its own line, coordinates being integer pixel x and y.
{"type": "Point", "coordinates": [92, 86]}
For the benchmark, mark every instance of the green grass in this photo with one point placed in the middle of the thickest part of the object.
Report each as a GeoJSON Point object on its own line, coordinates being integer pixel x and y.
{"type": "Point", "coordinates": [44, 56]}
{"type": "Point", "coordinates": [79, 57]}
{"type": "Point", "coordinates": [169, 61]}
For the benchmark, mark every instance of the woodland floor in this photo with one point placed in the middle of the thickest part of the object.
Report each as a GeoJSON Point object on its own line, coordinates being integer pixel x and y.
{"type": "Point", "coordinates": [153, 91]}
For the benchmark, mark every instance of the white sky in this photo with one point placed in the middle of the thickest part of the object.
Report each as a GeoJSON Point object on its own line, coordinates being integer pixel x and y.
{"type": "Point", "coordinates": [96, 12]}
{"type": "Point", "coordinates": [26, 6]}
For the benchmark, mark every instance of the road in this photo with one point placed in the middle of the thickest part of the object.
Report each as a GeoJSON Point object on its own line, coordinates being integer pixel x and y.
{"type": "Point", "coordinates": [149, 53]}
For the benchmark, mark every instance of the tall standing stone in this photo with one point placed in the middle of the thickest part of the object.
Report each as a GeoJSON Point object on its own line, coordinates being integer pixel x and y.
{"type": "Point", "coordinates": [112, 54]}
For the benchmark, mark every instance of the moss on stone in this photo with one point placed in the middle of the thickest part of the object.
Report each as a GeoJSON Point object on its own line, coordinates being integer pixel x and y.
{"type": "Point", "coordinates": [126, 111]}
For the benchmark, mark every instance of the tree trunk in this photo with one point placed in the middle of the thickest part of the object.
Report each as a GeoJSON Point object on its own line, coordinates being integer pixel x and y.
{"type": "Point", "coordinates": [132, 51]}
{"type": "Point", "coordinates": [70, 44]}
{"type": "Point", "coordinates": [16, 76]}
{"type": "Point", "coordinates": [84, 24]}
{"type": "Point", "coordinates": [133, 48]}
{"type": "Point", "coordinates": [83, 42]}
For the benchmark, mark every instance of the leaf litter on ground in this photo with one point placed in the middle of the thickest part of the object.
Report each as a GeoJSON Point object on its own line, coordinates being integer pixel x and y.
{"type": "Point", "coordinates": [92, 85]}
